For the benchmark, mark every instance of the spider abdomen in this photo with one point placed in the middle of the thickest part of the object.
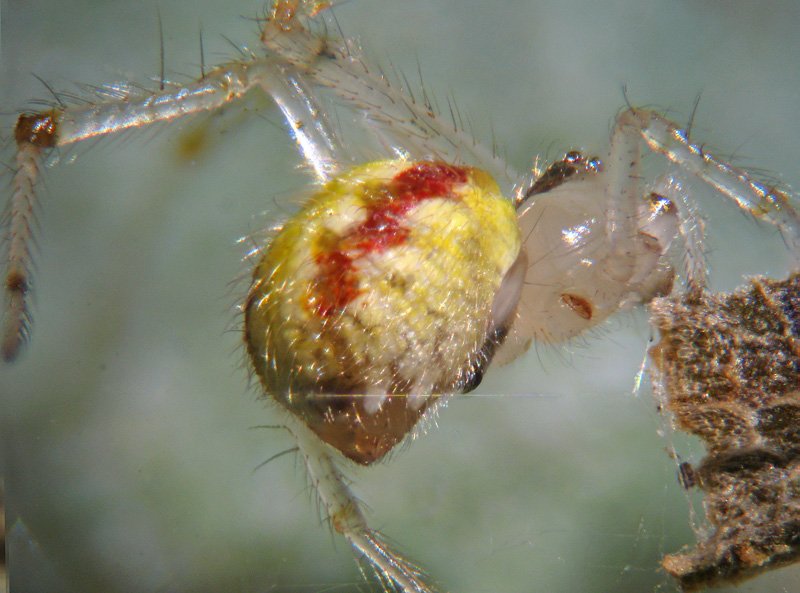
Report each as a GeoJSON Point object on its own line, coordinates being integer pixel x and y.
{"type": "Point", "coordinates": [384, 286]}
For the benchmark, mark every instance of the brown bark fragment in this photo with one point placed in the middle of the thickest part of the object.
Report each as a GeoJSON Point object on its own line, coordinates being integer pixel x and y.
{"type": "Point", "coordinates": [728, 368]}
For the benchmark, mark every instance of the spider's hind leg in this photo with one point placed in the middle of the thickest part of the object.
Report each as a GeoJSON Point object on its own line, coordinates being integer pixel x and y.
{"type": "Point", "coordinates": [343, 510]}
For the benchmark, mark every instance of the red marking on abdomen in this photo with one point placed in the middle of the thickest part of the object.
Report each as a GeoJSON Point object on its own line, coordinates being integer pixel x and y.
{"type": "Point", "coordinates": [428, 180]}
{"type": "Point", "coordinates": [336, 283]}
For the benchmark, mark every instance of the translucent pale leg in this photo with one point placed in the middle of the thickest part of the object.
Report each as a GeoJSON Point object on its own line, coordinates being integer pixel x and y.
{"type": "Point", "coordinates": [760, 199]}
{"type": "Point", "coordinates": [692, 233]}
{"type": "Point", "coordinates": [309, 124]}
{"type": "Point", "coordinates": [623, 193]}
{"type": "Point", "coordinates": [20, 223]}
{"type": "Point", "coordinates": [344, 512]}
{"type": "Point", "coordinates": [624, 188]}
{"type": "Point", "coordinates": [398, 124]}
{"type": "Point", "coordinates": [38, 134]}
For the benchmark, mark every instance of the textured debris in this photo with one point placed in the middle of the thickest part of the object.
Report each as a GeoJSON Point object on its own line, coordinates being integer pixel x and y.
{"type": "Point", "coordinates": [728, 369]}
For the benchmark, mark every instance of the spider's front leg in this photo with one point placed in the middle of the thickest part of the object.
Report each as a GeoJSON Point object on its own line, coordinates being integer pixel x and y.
{"type": "Point", "coordinates": [764, 199]}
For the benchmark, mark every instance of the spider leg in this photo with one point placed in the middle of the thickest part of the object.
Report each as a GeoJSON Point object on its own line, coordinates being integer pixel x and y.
{"type": "Point", "coordinates": [344, 512]}
{"type": "Point", "coordinates": [19, 220]}
{"type": "Point", "coordinates": [397, 125]}
{"type": "Point", "coordinates": [37, 134]}
{"type": "Point", "coordinates": [623, 190]}
{"type": "Point", "coordinates": [760, 199]}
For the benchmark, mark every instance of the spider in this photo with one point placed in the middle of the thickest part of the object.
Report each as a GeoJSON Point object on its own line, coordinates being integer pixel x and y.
{"type": "Point", "coordinates": [412, 450]}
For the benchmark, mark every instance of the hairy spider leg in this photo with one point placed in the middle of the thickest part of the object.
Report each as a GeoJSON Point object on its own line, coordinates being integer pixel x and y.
{"type": "Point", "coordinates": [344, 512]}
{"type": "Point", "coordinates": [36, 134]}
{"type": "Point", "coordinates": [760, 199]}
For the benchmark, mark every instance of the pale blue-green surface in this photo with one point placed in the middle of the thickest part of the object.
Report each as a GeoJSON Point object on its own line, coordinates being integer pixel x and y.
{"type": "Point", "coordinates": [128, 458]}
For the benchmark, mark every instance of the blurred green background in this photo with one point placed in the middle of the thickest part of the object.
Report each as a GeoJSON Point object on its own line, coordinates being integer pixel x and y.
{"type": "Point", "coordinates": [128, 454]}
